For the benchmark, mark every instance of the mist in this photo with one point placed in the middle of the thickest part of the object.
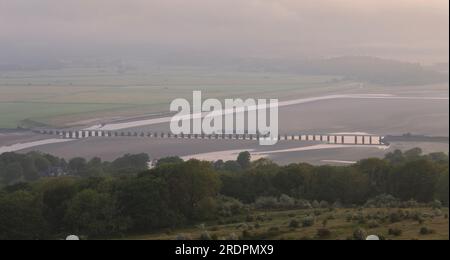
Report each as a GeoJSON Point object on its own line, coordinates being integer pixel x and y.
{"type": "Point", "coordinates": [408, 30]}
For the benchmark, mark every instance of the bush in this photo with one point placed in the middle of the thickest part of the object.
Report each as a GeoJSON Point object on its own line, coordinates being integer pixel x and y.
{"type": "Point", "coordinates": [383, 201]}
{"type": "Point", "coordinates": [274, 229]}
{"type": "Point", "coordinates": [324, 204]}
{"type": "Point", "coordinates": [395, 232]}
{"type": "Point", "coordinates": [205, 236]}
{"type": "Point", "coordinates": [303, 204]}
{"type": "Point", "coordinates": [437, 213]}
{"type": "Point", "coordinates": [246, 234]}
{"type": "Point", "coordinates": [373, 224]}
{"type": "Point", "coordinates": [286, 202]}
{"type": "Point", "coordinates": [294, 224]}
{"type": "Point", "coordinates": [250, 218]}
{"type": "Point", "coordinates": [232, 236]}
{"type": "Point", "coordinates": [323, 233]}
{"type": "Point", "coordinates": [410, 204]}
{"type": "Point", "coordinates": [315, 204]}
{"type": "Point", "coordinates": [337, 205]}
{"type": "Point", "coordinates": [228, 207]}
{"type": "Point", "coordinates": [266, 203]}
{"type": "Point", "coordinates": [182, 237]}
{"type": "Point", "coordinates": [436, 204]}
{"type": "Point", "coordinates": [426, 231]}
{"type": "Point", "coordinates": [395, 217]}
{"type": "Point", "coordinates": [308, 222]}
{"type": "Point", "coordinates": [359, 234]}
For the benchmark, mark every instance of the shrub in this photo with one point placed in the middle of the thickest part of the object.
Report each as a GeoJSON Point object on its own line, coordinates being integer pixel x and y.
{"type": "Point", "coordinates": [250, 218]}
{"type": "Point", "coordinates": [266, 203]}
{"type": "Point", "coordinates": [436, 204]}
{"type": "Point", "coordinates": [294, 224]}
{"type": "Point", "coordinates": [183, 237]}
{"type": "Point", "coordinates": [286, 202]}
{"type": "Point", "coordinates": [323, 233]}
{"type": "Point", "coordinates": [324, 204]}
{"type": "Point", "coordinates": [261, 218]}
{"type": "Point", "coordinates": [308, 222]}
{"type": "Point", "coordinates": [410, 204]}
{"type": "Point", "coordinates": [383, 201]}
{"type": "Point", "coordinates": [426, 231]}
{"type": "Point", "coordinates": [437, 213]}
{"type": "Point", "coordinates": [246, 234]}
{"type": "Point", "coordinates": [228, 207]}
{"type": "Point", "coordinates": [274, 229]}
{"type": "Point", "coordinates": [303, 204]}
{"type": "Point", "coordinates": [395, 232]}
{"type": "Point", "coordinates": [232, 236]}
{"type": "Point", "coordinates": [395, 217]}
{"type": "Point", "coordinates": [359, 234]}
{"type": "Point", "coordinates": [337, 205]}
{"type": "Point", "coordinates": [205, 236]}
{"type": "Point", "coordinates": [373, 224]}
{"type": "Point", "coordinates": [315, 204]}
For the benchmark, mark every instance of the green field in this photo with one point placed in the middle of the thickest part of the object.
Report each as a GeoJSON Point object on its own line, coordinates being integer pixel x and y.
{"type": "Point", "coordinates": [65, 96]}
{"type": "Point", "coordinates": [339, 224]}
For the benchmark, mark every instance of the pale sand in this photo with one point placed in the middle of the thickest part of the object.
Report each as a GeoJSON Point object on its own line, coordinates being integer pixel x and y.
{"type": "Point", "coordinates": [232, 154]}
{"type": "Point", "coordinates": [126, 125]}
{"type": "Point", "coordinates": [22, 146]}
{"type": "Point", "coordinates": [338, 161]}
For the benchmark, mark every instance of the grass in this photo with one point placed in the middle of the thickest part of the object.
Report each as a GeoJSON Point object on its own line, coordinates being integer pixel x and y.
{"type": "Point", "coordinates": [275, 225]}
{"type": "Point", "coordinates": [63, 96]}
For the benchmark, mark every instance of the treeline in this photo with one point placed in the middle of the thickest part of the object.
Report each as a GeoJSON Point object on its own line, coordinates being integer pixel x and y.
{"type": "Point", "coordinates": [16, 168]}
{"type": "Point", "coordinates": [407, 176]}
{"type": "Point", "coordinates": [176, 193]}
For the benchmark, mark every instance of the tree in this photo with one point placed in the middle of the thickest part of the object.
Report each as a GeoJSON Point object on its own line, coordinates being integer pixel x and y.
{"type": "Point", "coordinates": [30, 173]}
{"type": "Point", "coordinates": [12, 173]}
{"type": "Point", "coordinates": [378, 173]}
{"type": "Point", "coordinates": [442, 187]}
{"type": "Point", "coordinates": [188, 184]}
{"type": "Point", "coordinates": [146, 201]}
{"type": "Point", "coordinates": [413, 154]}
{"type": "Point", "coordinates": [416, 180]}
{"type": "Point", "coordinates": [130, 164]}
{"type": "Point", "coordinates": [77, 167]}
{"type": "Point", "coordinates": [244, 159]}
{"type": "Point", "coordinates": [231, 166]}
{"type": "Point", "coordinates": [294, 180]}
{"type": "Point", "coordinates": [395, 157]}
{"type": "Point", "coordinates": [94, 168]}
{"type": "Point", "coordinates": [56, 195]}
{"type": "Point", "coordinates": [41, 163]}
{"type": "Point", "coordinates": [94, 214]}
{"type": "Point", "coordinates": [21, 217]}
{"type": "Point", "coordinates": [166, 160]}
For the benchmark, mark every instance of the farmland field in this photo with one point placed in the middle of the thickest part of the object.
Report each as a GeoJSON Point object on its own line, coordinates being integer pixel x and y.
{"type": "Point", "coordinates": [67, 96]}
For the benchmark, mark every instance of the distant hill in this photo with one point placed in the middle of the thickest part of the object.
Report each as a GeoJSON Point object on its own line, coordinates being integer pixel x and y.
{"type": "Point", "coordinates": [375, 70]}
{"type": "Point", "coordinates": [362, 68]}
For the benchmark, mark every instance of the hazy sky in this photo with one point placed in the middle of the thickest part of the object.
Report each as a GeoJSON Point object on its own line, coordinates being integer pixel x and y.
{"type": "Point", "coordinates": [415, 30]}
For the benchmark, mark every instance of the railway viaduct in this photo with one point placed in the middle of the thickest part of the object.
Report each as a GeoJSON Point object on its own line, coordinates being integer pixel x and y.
{"type": "Point", "coordinates": [329, 139]}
